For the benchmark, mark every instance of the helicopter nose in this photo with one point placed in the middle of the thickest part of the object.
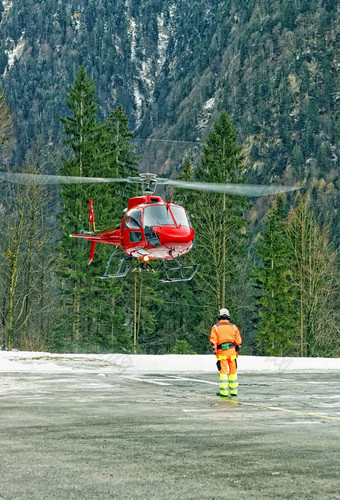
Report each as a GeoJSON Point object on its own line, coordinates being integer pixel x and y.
{"type": "Point", "coordinates": [175, 236]}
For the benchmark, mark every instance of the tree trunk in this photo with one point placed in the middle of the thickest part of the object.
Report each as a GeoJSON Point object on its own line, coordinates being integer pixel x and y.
{"type": "Point", "coordinates": [76, 311]}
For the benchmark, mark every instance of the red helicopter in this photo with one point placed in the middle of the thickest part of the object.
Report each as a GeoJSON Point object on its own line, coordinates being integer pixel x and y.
{"type": "Point", "coordinates": [151, 229]}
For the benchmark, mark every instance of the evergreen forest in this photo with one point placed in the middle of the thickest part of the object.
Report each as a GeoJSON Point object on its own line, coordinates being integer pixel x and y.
{"type": "Point", "coordinates": [216, 91]}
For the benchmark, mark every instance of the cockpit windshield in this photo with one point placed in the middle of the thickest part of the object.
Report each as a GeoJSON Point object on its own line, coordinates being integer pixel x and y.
{"type": "Point", "coordinates": [160, 215]}
{"type": "Point", "coordinates": [157, 215]}
{"type": "Point", "coordinates": [181, 216]}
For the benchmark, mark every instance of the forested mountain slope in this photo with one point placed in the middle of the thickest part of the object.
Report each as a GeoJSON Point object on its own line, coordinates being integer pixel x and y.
{"type": "Point", "coordinates": [174, 66]}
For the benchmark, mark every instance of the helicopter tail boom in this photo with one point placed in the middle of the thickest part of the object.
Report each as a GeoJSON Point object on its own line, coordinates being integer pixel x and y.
{"type": "Point", "coordinates": [111, 238]}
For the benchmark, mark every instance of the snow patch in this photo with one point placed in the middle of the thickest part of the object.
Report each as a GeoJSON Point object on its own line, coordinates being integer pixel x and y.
{"type": "Point", "coordinates": [146, 80]}
{"type": "Point", "coordinates": [163, 42]}
{"type": "Point", "coordinates": [172, 10]}
{"type": "Point", "coordinates": [146, 75]}
{"type": "Point", "coordinates": [15, 51]}
{"type": "Point", "coordinates": [208, 107]}
{"type": "Point", "coordinates": [76, 21]}
{"type": "Point", "coordinates": [138, 101]}
{"type": "Point", "coordinates": [7, 5]}
{"type": "Point", "coordinates": [40, 362]}
{"type": "Point", "coordinates": [148, 67]}
{"type": "Point", "coordinates": [132, 33]}
{"type": "Point", "coordinates": [209, 104]}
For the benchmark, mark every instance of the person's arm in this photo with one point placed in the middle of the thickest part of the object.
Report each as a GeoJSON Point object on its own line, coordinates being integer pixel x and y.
{"type": "Point", "coordinates": [213, 339]}
{"type": "Point", "coordinates": [237, 339]}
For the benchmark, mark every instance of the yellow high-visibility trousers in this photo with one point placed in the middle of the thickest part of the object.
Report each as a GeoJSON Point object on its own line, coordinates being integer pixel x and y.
{"type": "Point", "coordinates": [228, 375]}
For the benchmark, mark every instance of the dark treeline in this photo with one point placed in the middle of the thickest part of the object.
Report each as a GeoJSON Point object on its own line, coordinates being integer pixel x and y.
{"type": "Point", "coordinates": [280, 278]}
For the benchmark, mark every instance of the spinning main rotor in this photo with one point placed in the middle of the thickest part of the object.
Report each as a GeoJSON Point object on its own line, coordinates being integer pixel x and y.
{"type": "Point", "coordinates": [149, 182]}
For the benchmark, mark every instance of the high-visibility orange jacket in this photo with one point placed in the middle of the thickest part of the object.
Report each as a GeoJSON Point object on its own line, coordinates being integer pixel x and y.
{"type": "Point", "coordinates": [223, 332]}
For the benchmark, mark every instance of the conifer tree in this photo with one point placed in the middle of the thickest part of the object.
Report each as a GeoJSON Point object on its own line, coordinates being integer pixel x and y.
{"type": "Point", "coordinates": [80, 129]}
{"type": "Point", "coordinates": [92, 310]}
{"type": "Point", "coordinates": [121, 155]}
{"type": "Point", "coordinates": [219, 221]}
{"type": "Point", "coordinates": [273, 275]}
{"type": "Point", "coordinates": [182, 312]}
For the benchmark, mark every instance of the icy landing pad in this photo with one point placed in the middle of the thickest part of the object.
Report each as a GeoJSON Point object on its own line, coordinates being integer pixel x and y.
{"type": "Point", "coordinates": [100, 434]}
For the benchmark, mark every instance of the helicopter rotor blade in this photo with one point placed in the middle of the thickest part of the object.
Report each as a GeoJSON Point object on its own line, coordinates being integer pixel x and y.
{"type": "Point", "coordinates": [42, 179]}
{"type": "Point", "coordinates": [251, 190]}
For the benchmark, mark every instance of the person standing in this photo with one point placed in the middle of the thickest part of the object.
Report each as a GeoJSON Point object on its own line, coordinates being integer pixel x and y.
{"type": "Point", "coordinates": [226, 340]}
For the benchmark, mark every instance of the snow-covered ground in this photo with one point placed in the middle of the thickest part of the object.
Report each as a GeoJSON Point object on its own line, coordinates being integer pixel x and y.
{"type": "Point", "coordinates": [170, 363]}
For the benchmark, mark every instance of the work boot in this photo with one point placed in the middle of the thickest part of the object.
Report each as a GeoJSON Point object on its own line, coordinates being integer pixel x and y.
{"type": "Point", "coordinates": [222, 395]}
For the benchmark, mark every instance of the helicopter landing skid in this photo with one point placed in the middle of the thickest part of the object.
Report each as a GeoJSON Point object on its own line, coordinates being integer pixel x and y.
{"type": "Point", "coordinates": [170, 272]}
{"type": "Point", "coordinates": [123, 268]}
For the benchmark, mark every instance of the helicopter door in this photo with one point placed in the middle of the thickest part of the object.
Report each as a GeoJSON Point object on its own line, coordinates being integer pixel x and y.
{"type": "Point", "coordinates": [133, 223]}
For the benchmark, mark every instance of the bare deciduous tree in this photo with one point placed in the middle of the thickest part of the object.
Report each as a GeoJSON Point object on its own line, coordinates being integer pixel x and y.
{"type": "Point", "coordinates": [7, 139]}
{"type": "Point", "coordinates": [316, 281]}
{"type": "Point", "coordinates": [27, 293]}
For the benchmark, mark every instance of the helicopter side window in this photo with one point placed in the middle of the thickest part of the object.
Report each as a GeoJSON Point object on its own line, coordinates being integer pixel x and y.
{"type": "Point", "coordinates": [134, 219]}
{"type": "Point", "coordinates": [157, 215]}
{"type": "Point", "coordinates": [135, 236]}
{"type": "Point", "coordinates": [181, 216]}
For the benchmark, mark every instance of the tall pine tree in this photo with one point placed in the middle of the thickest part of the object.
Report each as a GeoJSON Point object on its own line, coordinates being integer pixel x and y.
{"type": "Point", "coordinates": [273, 277]}
{"type": "Point", "coordinates": [80, 128]}
{"type": "Point", "coordinates": [220, 223]}
{"type": "Point", "coordinates": [93, 310]}
{"type": "Point", "coordinates": [182, 311]}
